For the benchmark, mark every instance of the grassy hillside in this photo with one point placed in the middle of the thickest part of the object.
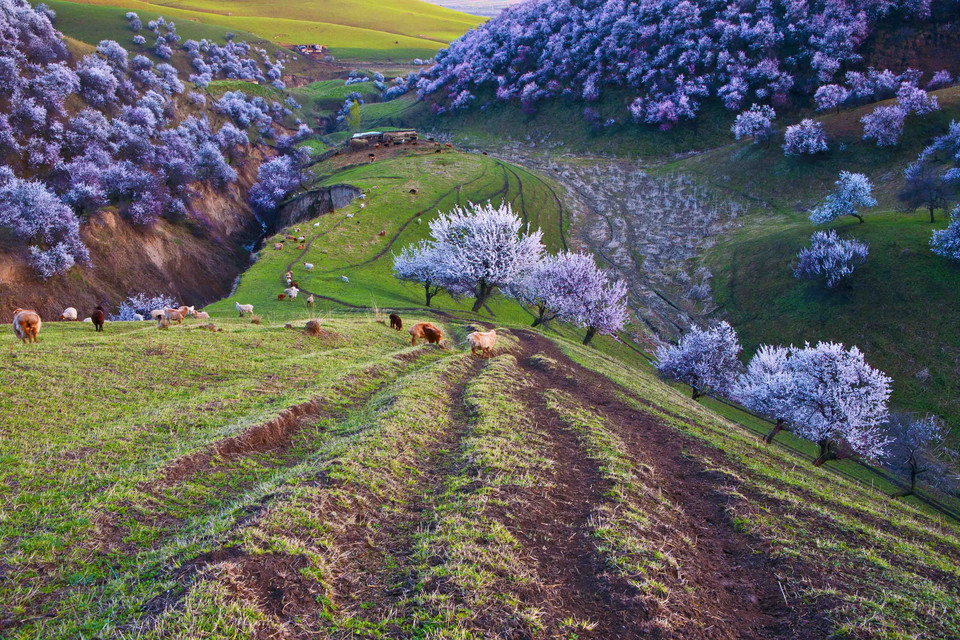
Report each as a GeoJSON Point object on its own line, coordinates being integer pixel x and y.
{"type": "Point", "coordinates": [367, 29]}
{"type": "Point", "coordinates": [255, 481]}
{"type": "Point", "coordinates": [901, 307]}
{"type": "Point", "coordinates": [348, 241]}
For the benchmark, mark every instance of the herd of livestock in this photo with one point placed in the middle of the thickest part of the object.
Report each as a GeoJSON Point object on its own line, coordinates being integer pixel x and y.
{"type": "Point", "coordinates": [27, 323]}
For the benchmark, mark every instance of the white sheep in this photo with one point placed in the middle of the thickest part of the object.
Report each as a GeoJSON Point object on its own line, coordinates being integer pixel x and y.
{"type": "Point", "coordinates": [69, 314]}
{"type": "Point", "coordinates": [308, 266]}
{"type": "Point", "coordinates": [292, 292]}
{"type": "Point", "coordinates": [310, 300]}
{"type": "Point", "coordinates": [316, 224]}
{"type": "Point", "coordinates": [302, 239]}
{"type": "Point", "coordinates": [345, 278]}
{"type": "Point", "coordinates": [363, 205]}
{"type": "Point", "coordinates": [138, 317]}
{"type": "Point", "coordinates": [88, 319]}
{"type": "Point", "coordinates": [349, 215]}
{"type": "Point", "coordinates": [202, 315]}
{"type": "Point", "coordinates": [243, 308]}
{"type": "Point", "coordinates": [156, 314]}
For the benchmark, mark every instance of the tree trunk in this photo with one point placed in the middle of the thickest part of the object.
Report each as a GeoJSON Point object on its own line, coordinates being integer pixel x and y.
{"type": "Point", "coordinates": [858, 217]}
{"type": "Point", "coordinates": [426, 289]}
{"type": "Point", "coordinates": [825, 453]}
{"type": "Point", "coordinates": [931, 213]}
{"type": "Point", "coordinates": [696, 393]}
{"type": "Point", "coordinates": [913, 479]}
{"type": "Point", "coordinates": [591, 331]}
{"type": "Point", "coordinates": [483, 292]}
{"type": "Point", "coordinates": [777, 428]}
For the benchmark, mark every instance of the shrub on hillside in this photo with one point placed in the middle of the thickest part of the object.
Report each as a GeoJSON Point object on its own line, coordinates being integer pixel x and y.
{"type": "Point", "coordinates": [884, 124]}
{"type": "Point", "coordinates": [756, 122]}
{"type": "Point", "coordinates": [829, 258]}
{"type": "Point", "coordinates": [142, 304]}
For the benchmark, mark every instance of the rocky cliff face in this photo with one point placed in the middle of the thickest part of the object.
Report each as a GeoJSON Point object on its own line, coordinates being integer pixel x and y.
{"type": "Point", "coordinates": [316, 202]}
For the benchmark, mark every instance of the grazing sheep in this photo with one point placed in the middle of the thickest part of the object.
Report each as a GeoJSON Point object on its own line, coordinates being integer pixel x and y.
{"type": "Point", "coordinates": [138, 317]}
{"type": "Point", "coordinates": [438, 150]}
{"type": "Point", "coordinates": [202, 315]}
{"type": "Point", "coordinates": [69, 314]}
{"type": "Point", "coordinates": [396, 322]}
{"type": "Point", "coordinates": [414, 191]}
{"type": "Point", "coordinates": [278, 246]}
{"type": "Point", "coordinates": [425, 331]}
{"type": "Point", "coordinates": [301, 246]}
{"type": "Point", "coordinates": [163, 323]}
{"type": "Point", "coordinates": [281, 296]}
{"type": "Point", "coordinates": [98, 318]}
{"type": "Point", "coordinates": [294, 238]}
{"type": "Point", "coordinates": [297, 230]}
{"type": "Point", "coordinates": [301, 239]}
{"type": "Point", "coordinates": [448, 145]}
{"type": "Point", "coordinates": [154, 315]}
{"type": "Point", "coordinates": [383, 233]}
{"type": "Point", "coordinates": [316, 224]}
{"type": "Point", "coordinates": [243, 308]}
{"type": "Point", "coordinates": [483, 342]}
{"type": "Point", "coordinates": [292, 292]}
{"type": "Point", "coordinates": [26, 324]}
{"type": "Point", "coordinates": [349, 215]}
{"type": "Point", "coordinates": [310, 300]}
{"type": "Point", "coordinates": [191, 311]}
{"type": "Point", "coordinates": [185, 311]}
{"type": "Point", "coordinates": [88, 319]}
{"type": "Point", "coordinates": [173, 315]}
{"type": "Point", "coordinates": [363, 205]}
{"type": "Point", "coordinates": [345, 279]}
{"type": "Point", "coordinates": [308, 266]}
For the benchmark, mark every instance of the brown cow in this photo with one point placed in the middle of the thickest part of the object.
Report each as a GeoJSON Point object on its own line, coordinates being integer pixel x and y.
{"type": "Point", "coordinates": [97, 318]}
{"type": "Point", "coordinates": [26, 324]}
{"type": "Point", "coordinates": [425, 331]}
{"type": "Point", "coordinates": [396, 322]}
{"type": "Point", "coordinates": [482, 341]}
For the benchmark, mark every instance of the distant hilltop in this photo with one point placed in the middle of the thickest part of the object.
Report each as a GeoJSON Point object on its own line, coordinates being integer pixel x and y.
{"type": "Point", "coordinates": [486, 8]}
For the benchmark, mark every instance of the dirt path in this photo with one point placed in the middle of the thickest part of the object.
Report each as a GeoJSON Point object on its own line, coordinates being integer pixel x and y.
{"type": "Point", "coordinates": [738, 592]}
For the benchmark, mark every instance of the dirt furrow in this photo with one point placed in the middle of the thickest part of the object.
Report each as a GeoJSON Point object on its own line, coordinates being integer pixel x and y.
{"type": "Point", "coordinates": [738, 585]}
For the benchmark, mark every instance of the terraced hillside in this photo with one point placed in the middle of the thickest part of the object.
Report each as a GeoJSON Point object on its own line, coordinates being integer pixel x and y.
{"type": "Point", "coordinates": [266, 483]}
{"type": "Point", "coordinates": [398, 29]}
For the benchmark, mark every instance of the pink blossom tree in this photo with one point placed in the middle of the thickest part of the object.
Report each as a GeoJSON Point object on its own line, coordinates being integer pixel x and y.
{"type": "Point", "coordinates": [705, 359]}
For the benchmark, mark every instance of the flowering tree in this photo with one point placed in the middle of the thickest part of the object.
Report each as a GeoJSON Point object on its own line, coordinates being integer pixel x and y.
{"type": "Point", "coordinates": [913, 99]}
{"type": "Point", "coordinates": [840, 402]}
{"type": "Point", "coordinates": [831, 96]}
{"type": "Point", "coordinates": [275, 180]}
{"type": "Point", "coordinates": [481, 247]}
{"type": "Point", "coordinates": [946, 242]}
{"type": "Point", "coordinates": [757, 121]}
{"type": "Point", "coordinates": [32, 213]}
{"type": "Point", "coordinates": [918, 447]}
{"type": "Point", "coordinates": [768, 387]}
{"type": "Point", "coordinates": [142, 304]}
{"type": "Point", "coordinates": [854, 190]}
{"type": "Point", "coordinates": [806, 138]}
{"type": "Point", "coordinates": [418, 264]}
{"type": "Point", "coordinates": [829, 258]}
{"type": "Point", "coordinates": [884, 124]}
{"type": "Point", "coordinates": [705, 359]}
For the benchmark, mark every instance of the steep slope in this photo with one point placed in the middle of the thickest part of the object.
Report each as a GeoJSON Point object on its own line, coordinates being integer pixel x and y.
{"type": "Point", "coordinates": [353, 485]}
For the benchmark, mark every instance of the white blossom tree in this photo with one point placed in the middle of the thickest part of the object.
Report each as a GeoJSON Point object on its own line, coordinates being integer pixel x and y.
{"type": "Point", "coordinates": [417, 263]}
{"type": "Point", "coordinates": [804, 139]}
{"type": "Point", "coordinates": [569, 286]}
{"type": "Point", "coordinates": [769, 387]}
{"type": "Point", "coordinates": [481, 247]}
{"type": "Point", "coordinates": [854, 190]}
{"type": "Point", "coordinates": [705, 359]}
{"type": "Point", "coordinates": [946, 242]}
{"type": "Point", "coordinates": [840, 402]}
{"type": "Point", "coordinates": [830, 258]}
